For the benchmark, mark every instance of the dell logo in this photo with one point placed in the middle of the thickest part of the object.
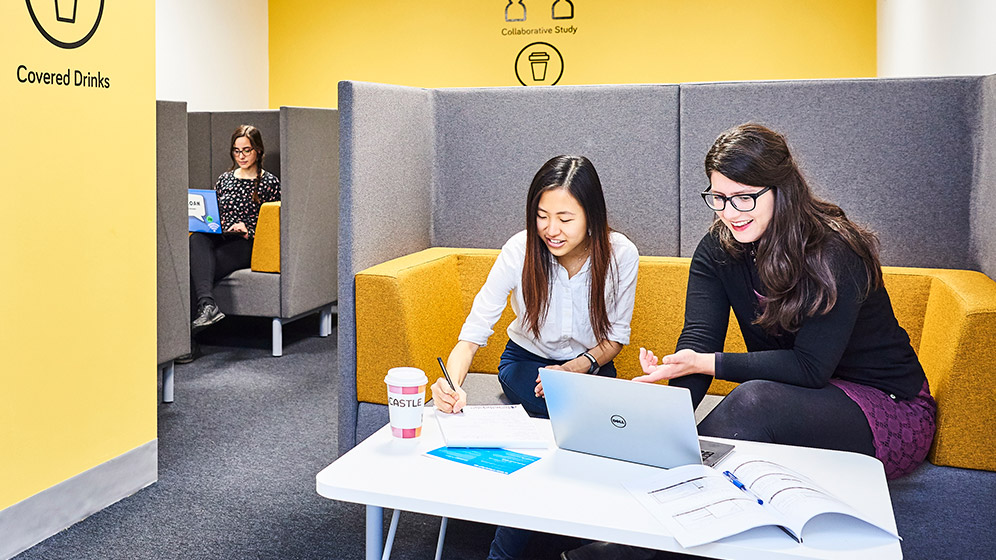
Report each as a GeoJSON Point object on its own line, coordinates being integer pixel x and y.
{"type": "Point", "coordinates": [618, 421]}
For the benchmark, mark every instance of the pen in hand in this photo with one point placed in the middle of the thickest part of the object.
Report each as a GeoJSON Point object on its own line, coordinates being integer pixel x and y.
{"type": "Point", "coordinates": [736, 482]}
{"type": "Point", "coordinates": [446, 373]}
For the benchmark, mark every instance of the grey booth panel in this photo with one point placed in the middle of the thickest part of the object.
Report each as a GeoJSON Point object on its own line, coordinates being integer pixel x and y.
{"type": "Point", "coordinates": [172, 262]}
{"type": "Point", "coordinates": [309, 160]}
{"type": "Point", "coordinates": [224, 123]}
{"type": "Point", "coordinates": [491, 141]}
{"type": "Point", "coordinates": [895, 154]}
{"type": "Point", "coordinates": [199, 151]}
{"type": "Point", "coordinates": [983, 198]}
{"type": "Point", "coordinates": [386, 154]}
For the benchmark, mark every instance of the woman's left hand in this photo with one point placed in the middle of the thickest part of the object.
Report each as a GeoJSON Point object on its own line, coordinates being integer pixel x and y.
{"type": "Point", "coordinates": [682, 362]}
{"type": "Point", "coordinates": [240, 227]}
{"type": "Point", "coordinates": [539, 383]}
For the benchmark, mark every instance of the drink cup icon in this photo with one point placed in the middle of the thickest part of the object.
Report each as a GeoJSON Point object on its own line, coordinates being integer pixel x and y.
{"type": "Point", "coordinates": [538, 61]}
{"type": "Point", "coordinates": [65, 10]}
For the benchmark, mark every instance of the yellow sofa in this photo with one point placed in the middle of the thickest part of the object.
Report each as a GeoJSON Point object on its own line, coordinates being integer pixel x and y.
{"type": "Point", "coordinates": [409, 310]}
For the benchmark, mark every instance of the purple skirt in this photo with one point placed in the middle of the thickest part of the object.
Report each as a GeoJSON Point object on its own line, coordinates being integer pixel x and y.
{"type": "Point", "coordinates": [902, 430]}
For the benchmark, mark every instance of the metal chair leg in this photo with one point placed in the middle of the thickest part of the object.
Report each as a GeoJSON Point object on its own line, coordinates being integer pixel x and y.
{"type": "Point", "coordinates": [168, 382]}
{"type": "Point", "coordinates": [442, 537]}
{"type": "Point", "coordinates": [278, 336]}
{"type": "Point", "coordinates": [390, 534]}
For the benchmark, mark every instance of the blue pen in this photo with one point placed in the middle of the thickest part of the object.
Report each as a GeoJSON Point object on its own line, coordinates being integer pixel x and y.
{"type": "Point", "coordinates": [736, 482]}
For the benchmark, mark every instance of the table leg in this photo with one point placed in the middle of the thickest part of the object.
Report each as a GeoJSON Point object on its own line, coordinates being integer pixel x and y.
{"type": "Point", "coordinates": [375, 532]}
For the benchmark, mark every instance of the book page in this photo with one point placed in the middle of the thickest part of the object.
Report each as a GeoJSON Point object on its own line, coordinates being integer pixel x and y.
{"type": "Point", "coordinates": [492, 426]}
{"type": "Point", "coordinates": [697, 504]}
{"type": "Point", "coordinates": [795, 498]}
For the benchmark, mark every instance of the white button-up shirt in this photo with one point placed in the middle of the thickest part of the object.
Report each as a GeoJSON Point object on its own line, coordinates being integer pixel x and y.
{"type": "Point", "coordinates": [566, 331]}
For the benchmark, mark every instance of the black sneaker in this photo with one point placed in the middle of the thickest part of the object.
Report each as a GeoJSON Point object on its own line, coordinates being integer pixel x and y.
{"type": "Point", "coordinates": [207, 315]}
{"type": "Point", "coordinates": [195, 352]}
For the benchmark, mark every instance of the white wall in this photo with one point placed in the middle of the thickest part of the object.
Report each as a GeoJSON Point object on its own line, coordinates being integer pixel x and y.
{"type": "Point", "coordinates": [936, 37]}
{"type": "Point", "coordinates": [213, 54]}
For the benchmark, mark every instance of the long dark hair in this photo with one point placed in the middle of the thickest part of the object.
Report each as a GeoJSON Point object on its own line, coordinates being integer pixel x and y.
{"type": "Point", "coordinates": [256, 141]}
{"type": "Point", "coordinates": [576, 175]}
{"type": "Point", "coordinates": [793, 256]}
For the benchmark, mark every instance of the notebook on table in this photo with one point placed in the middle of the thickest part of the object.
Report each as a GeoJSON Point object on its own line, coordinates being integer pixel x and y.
{"type": "Point", "coordinates": [638, 422]}
{"type": "Point", "coordinates": [202, 211]}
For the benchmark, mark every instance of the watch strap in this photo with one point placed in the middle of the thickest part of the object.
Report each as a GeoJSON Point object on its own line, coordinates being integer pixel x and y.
{"type": "Point", "coordinates": [594, 363]}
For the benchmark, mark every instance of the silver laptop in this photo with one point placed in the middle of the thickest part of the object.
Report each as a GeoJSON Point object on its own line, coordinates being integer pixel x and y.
{"type": "Point", "coordinates": [621, 419]}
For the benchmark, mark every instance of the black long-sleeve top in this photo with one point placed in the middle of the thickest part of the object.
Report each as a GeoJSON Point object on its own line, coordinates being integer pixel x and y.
{"type": "Point", "coordinates": [235, 200]}
{"type": "Point", "coordinates": [858, 340]}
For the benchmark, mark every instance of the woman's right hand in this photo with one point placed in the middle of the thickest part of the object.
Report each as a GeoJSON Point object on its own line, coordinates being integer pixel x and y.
{"type": "Point", "coordinates": [446, 399]}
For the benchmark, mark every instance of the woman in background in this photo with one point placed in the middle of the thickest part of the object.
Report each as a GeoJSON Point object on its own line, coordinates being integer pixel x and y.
{"type": "Point", "coordinates": [241, 192]}
{"type": "Point", "coordinates": [572, 282]}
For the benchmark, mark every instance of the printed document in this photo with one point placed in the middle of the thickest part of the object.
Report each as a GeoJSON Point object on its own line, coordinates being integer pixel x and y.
{"type": "Point", "coordinates": [699, 504]}
{"type": "Point", "coordinates": [493, 426]}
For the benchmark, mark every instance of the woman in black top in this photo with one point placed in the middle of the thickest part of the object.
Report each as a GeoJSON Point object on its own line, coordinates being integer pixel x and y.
{"type": "Point", "coordinates": [827, 364]}
{"type": "Point", "coordinates": [241, 191]}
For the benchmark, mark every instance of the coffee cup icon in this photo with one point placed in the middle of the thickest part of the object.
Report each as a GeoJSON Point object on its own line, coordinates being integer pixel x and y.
{"type": "Point", "coordinates": [538, 62]}
{"type": "Point", "coordinates": [65, 11]}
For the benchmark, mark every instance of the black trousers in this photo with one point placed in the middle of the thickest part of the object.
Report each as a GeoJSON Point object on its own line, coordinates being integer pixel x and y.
{"type": "Point", "coordinates": [212, 257]}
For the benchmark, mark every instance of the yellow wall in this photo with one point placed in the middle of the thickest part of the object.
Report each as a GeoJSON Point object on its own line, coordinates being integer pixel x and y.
{"type": "Point", "coordinates": [443, 43]}
{"type": "Point", "coordinates": [77, 244]}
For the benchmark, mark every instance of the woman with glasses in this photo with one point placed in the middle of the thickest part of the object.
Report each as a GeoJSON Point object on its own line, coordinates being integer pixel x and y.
{"type": "Point", "coordinates": [241, 191]}
{"type": "Point", "coordinates": [827, 364]}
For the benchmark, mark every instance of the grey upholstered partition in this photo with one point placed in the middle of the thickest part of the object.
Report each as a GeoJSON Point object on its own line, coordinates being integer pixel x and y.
{"type": "Point", "coordinates": [309, 140]}
{"type": "Point", "coordinates": [224, 123]}
{"type": "Point", "coordinates": [199, 147]}
{"type": "Point", "coordinates": [983, 198]}
{"type": "Point", "coordinates": [491, 141]}
{"type": "Point", "coordinates": [386, 154]}
{"type": "Point", "coordinates": [209, 137]}
{"type": "Point", "coordinates": [896, 154]}
{"type": "Point", "coordinates": [451, 167]}
{"type": "Point", "coordinates": [172, 270]}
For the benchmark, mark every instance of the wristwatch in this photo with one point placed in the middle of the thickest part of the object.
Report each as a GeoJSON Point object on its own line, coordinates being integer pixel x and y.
{"type": "Point", "coordinates": [594, 363]}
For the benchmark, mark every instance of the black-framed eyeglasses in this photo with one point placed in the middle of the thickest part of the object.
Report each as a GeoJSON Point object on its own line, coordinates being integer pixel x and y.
{"type": "Point", "coordinates": [243, 151]}
{"type": "Point", "coordinates": [741, 202]}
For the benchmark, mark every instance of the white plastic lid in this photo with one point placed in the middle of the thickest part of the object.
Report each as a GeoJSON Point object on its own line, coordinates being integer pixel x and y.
{"type": "Point", "coordinates": [406, 377]}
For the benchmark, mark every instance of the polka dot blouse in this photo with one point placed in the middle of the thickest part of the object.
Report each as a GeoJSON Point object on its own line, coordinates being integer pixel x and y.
{"type": "Point", "coordinates": [235, 200]}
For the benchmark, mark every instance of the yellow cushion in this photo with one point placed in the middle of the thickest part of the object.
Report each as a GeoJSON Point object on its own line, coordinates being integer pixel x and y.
{"type": "Point", "coordinates": [410, 310]}
{"type": "Point", "coordinates": [266, 243]}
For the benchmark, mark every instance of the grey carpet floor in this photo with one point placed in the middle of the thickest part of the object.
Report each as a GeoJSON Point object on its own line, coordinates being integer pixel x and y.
{"type": "Point", "coordinates": [240, 447]}
{"type": "Point", "coordinates": [238, 453]}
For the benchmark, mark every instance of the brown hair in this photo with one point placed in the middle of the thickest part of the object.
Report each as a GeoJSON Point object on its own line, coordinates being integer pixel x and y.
{"type": "Point", "coordinates": [576, 175]}
{"type": "Point", "coordinates": [793, 256]}
{"type": "Point", "coordinates": [256, 141]}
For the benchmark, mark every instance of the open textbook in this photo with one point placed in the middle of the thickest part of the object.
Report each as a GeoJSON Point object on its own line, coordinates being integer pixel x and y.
{"type": "Point", "coordinates": [499, 425]}
{"type": "Point", "coordinates": [700, 504]}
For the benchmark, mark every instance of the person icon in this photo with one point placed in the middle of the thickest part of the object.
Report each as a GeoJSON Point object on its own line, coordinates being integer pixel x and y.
{"type": "Point", "coordinates": [516, 12]}
{"type": "Point", "coordinates": [562, 9]}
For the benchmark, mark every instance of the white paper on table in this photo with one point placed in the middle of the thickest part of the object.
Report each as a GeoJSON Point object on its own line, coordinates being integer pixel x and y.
{"type": "Point", "coordinates": [698, 504]}
{"type": "Point", "coordinates": [492, 426]}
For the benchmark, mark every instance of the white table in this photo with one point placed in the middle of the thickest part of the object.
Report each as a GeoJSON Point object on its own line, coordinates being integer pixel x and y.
{"type": "Point", "coordinates": [580, 495]}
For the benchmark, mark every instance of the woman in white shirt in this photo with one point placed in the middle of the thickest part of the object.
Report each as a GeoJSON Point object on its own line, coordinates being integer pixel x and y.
{"type": "Point", "coordinates": [572, 280]}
